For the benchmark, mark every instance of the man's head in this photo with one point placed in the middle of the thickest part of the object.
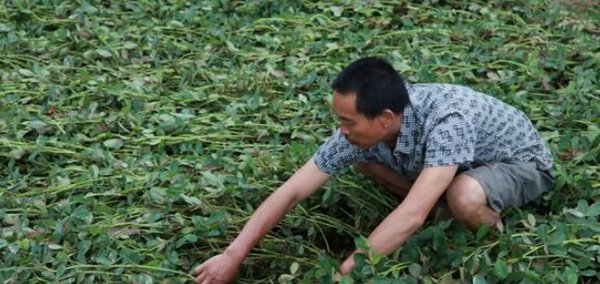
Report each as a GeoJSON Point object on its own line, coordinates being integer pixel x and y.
{"type": "Point", "coordinates": [369, 96]}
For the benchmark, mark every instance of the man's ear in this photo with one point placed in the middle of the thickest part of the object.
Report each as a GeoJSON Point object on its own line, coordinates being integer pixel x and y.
{"type": "Point", "coordinates": [387, 118]}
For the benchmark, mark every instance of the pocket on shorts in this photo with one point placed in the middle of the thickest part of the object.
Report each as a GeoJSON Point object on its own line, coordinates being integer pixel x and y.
{"type": "Point", "coordinates": [534, 182]}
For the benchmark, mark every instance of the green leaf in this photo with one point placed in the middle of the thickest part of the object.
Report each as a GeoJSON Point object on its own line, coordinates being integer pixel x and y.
{"type": "Point", "coordinates": [362, 243]}
{"type": "Point", "coordinates": [285, 278]}
{"type": "Point", "coordinates": [115, 143]}
{"type": "Point", "coordinates": [175, 23]}
{"type": "Point", "coordinates": [191, 200]}
{"type": "Point", "coordinates": [143, 279]}
{"type": "Point", "coordinates": [500, 269]}
{"type": "Point", "coordinates": [294, 268]}
{"type": "Point", "coordinates": [24, 244]}
{"type": "Point", "coordinates": [482, 232]}
{"type": "Point", "coordinates": [594, 209]}
{"type": "Point", "coordinates": [376, 258]}
{"type": "Point", "coordinates": [157, 194]}
{"type": "Point", "coordinates": [55, 247]}
{"type": "Point", "coordinates": [103, 260]}
{"type": "Point", "coordinates": [153, 217]}
{"type": "Point", "coordinates": [36, 124]}
{"type": "Point", "coordinates": [188, 238]}
{"type": "Point", "coordinates": [363, 266]}
{"type": "Point", "coordinates": [336, 10]}
{"type": "Point", "coordinates": [83, 213]}
{"type": "Point", "coordinates": [105, 53]}
{"type": "Point", "coordinates": [94, 171]}
{"type": "Point", "coordinates": [82, 248]}
{"type": "Point", "coordinates": [415, 270]}
{"type": "Point", "coordinates": [589, 273]}
{"type": "Point", "coordinates": [26, 73]}
{"type": "Point", "coordinates": [570, 277]}
{"type": "Point", "coordinates": [130, 45]}
{"type": "Point", "coordinates": [582, 206]}
{"type": "Point", "coordinates": [5, 28]}
{"type": "Point", "coordinates": [533, 276]}
{"type": "Point", "coordinates": [531, 220]}
{"type": "Point", "coordinates": [231, 47]}
{"type": "Point", "coordinates": [478, 279]}
{"type": "Point", "coordinates": [327, 197]}
{"type": "Point", "coordinates": [17, 153]}
{"type": "Point", "coordinates": [500, 226]}
{"type": "Point", "coordinates": [213, 183]}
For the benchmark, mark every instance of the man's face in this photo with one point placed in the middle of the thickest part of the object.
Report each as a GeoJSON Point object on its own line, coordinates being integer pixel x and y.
{"type": "Point", "coordinates": [359, 130]}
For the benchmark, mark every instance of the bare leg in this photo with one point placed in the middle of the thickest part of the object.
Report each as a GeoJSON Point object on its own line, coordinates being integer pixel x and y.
{"type": "Point", "coordinates": [468, 203]}
{"type": "Point", "coordinates": [387, 178]}
{"type": "Point", "coordinates": [466, 200]}
{"type": "Point", "coordinates": [384, 176]}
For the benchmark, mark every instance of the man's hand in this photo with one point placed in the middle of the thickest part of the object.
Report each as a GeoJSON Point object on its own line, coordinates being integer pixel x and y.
{"type": "Point", "coordinates": [347, 265]}
{"type": "Point", "coordinates": [219, 269]}
{"type": "Point", "coordinates": [224, 267]}
{"type": "Point", "coordinates": [401, 223]}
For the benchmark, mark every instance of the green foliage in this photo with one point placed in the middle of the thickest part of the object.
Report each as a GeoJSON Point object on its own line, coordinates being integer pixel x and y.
{"type": "Point", "coordinates": [137, 137]}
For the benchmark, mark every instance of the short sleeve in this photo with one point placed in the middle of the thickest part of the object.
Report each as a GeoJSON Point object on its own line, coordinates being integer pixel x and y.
{"type": "Point", "coordinates": [336, 154]}
{"type": "Point", "coordinates": [451, 141]}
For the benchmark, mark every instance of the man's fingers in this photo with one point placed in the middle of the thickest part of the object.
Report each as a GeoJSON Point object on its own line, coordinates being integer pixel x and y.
{"type": "Point", "coordinates": [200, 278]}
{"type": "Point", "coordinates": [198, 269]}
{"type": "Point", "coordinates": [338, 276]}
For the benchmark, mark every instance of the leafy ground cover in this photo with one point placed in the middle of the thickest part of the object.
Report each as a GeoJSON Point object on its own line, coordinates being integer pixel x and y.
{"type": "Point", "coordinates": [136, 137]}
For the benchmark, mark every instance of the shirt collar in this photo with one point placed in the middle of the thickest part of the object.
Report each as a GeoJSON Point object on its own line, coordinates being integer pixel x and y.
{"type": "Point", "coordinates": [403, 143]}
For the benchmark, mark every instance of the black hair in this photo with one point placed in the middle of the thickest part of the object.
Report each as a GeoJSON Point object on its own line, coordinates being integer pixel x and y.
{"type": "Point", "coordinates": [377, 86]}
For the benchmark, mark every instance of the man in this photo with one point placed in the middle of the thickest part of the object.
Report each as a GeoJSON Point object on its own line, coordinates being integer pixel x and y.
{"type": "Point", "coordinates": [421, 142]}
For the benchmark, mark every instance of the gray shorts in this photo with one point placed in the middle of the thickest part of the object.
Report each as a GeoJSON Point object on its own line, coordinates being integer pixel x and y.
{"type": "Point", "coordinates": [510, 183]}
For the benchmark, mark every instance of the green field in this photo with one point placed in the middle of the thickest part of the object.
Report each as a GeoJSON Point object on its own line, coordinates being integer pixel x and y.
{"type": "Point", "coordinates": [137, 137]}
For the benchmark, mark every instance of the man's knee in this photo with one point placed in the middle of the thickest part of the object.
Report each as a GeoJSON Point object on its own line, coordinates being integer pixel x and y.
{"type": "Point", "coordinates": [468, 203]}
{"type": "Point", "coordinates": [465, 196]}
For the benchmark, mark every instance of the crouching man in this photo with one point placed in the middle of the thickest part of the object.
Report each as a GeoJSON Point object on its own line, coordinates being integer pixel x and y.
{"type": "Point", "coordinates": [420, 141]}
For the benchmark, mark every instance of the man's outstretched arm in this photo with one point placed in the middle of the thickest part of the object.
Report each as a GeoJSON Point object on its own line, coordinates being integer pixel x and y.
{"type": "Point", "coordinates": [401, 223]}
{"type": "Point", "coordinates": [223, 267]}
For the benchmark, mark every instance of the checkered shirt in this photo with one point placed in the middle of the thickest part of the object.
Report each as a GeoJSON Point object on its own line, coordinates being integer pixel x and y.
{"type": "Point", "coordinates": [445, 125]}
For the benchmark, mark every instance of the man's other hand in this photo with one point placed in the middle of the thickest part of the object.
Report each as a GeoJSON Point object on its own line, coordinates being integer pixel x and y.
{"type": "Point", "coordinates": [219, 269]}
